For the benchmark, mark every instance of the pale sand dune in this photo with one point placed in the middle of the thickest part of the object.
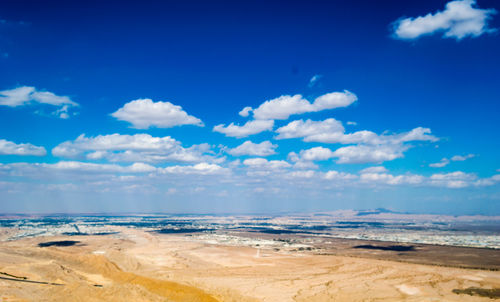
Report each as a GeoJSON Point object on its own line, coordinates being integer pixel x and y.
{"type": "Point", "coordinates": [146, 267]}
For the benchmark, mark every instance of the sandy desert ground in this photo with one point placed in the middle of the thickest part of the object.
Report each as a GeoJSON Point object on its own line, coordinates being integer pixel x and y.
{"type": "Point", "coordinates": [142, 266]}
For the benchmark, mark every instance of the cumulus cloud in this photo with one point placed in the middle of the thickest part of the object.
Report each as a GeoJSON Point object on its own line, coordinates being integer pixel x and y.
{"type": "Point", "coordinates": [262, 163]}
{"type": "Point", "coordinates": [440, 164]}
{"type": "Point", "coordinates": [249, 128]}
{"type": "Point", "coordinates": [309, 128]}
{"type": "Point", "coordinates": [456, 179]}
{"type": "Point", "coordinates": [245, 111]}
{"type": "Point", "coordinates": [305, 165]}
{"type": "Point", "coordinates": [25, 95]}
{"type": "Point", "coordinates": [267, 174]}
{"type": "Point", "coordinates": [369, 154]}
{"type": "Point", "coordinates": [332, 131]}
{"type": "Point", "coordinates": [336, 175]}
{"type": "Point", "coordinates": [75, 167]}
{"type": "Point", "coordinates": [375, 169]}
{"type": "Point", "coordinates": [96, 171]}
{"type": "Point", "coordinates": [300, 163]}
{"type": "Point", "coordinates": [390, 179]}
{"type": "Point", "coordinates": [316, 153]}
{"type": "Point", "coordinates": [305, 159]}
{"type": "Point", "coordinates": [248, 148]}
{"type": "Point", "coordinates": [282, 107]}
{"type": "Point", "coordinates": [130, 148]}
{"type": "Point", "coordinates": [445, 161]}
{"type": "Point", "coordinates": [11, 148]}
{"type": "Point", "coordinates": [370, 147]}
{"type": "Point", "coordinates": [462, 157]}
{"type": "Point", "coordinates": [144, 113]}
{"type": "Point", "coordinates": [92, 167]}
{"type": "Point", "coordinates": [198, 169]}
{"type": "Point", "coordinates": [459, 19]}
{"type": "Point", "coordinates": [302, 174]}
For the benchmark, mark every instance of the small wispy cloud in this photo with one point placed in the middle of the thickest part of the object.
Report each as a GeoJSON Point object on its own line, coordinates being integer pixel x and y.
{"type": "Point", "coordinates": [314, 80]}
{"type": "Point", "coordinates": [445, 161]}
{"type": "Point", "coordinates": [462, 157]}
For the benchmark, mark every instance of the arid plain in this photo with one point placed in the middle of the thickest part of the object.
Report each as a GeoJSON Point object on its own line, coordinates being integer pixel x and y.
{"type": "Point", "coordinates": [144, 266]}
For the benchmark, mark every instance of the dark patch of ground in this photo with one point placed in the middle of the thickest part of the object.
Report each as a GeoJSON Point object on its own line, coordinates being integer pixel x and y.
{"type": "Point", "coordinates": [58, 243]}
{"type": "Point", "coordinates": [395, 248]}
{"type": "Point", "coordinates": [182, 230]}
{"type": "Point", "coordinates": [481, 292]}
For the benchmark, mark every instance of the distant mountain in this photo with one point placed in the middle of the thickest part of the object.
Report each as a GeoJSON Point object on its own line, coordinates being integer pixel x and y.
{"type": "Point", "coordinates": [376, 211]}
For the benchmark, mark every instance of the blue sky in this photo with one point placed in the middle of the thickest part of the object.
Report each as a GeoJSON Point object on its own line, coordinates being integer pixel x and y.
{"type": "Point", "coordinates": [111, 107]}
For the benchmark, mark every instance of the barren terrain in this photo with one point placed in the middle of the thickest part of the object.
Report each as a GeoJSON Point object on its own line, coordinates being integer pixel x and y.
{"type": "Point", "coordinates": [145, 266]}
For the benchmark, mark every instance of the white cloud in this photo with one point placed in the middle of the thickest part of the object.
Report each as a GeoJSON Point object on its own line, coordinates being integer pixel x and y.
{"type": "Point", "coordinates": [282, 107]}
{"type": "Point", "coordinates": [198, 169]}
{"type": "Point", "coordinates": [131, 148]}
{"type": "Point", "coordinates": [299, 128]}
{"type": "Point", "coordinates": [336, 175]}
{"type": "Point", "coordinates": [488, 181]}
{"type": "Point", "coordinates": [369, 154]}
{"type": "Point", "coordinates": [305, 165]}
{"type": "Point", "coordinates": [248, 148]}
{"type": "Point", "coordinates": [316, 153]}
{"type": "Point", "coordinates": [77, 166]}
{"type": "Point", "coordinates": [302, 174]}
{"type": "Point", "coordinates": [351, 123]}
{"type": "Point", "coordinates": [46, 97]}
{"type": "Point", "coordinates": [62, 112]}
{"type": "Point", "coordinates": [375, 169]}
{"type": "Point", "coordinates": [371, 146]}
{"type": "Point", "coordinates": [144, 113]}
{"type": "Point", "coordinates": [300, 163]}
{"type": "Point", "coordinates": [390, 179]}
{"type": "Point", "coordinates": [262, 163]}
{"type": "Point", "coordinates": [91, 167]}
{"type": "Point", "coordinates": [82, 169]}
{"type": "Point", "coordinates": [416, 134]}
{"type": "Point", "coordinates": [456, 179]}
{"type": "Point", "coordinates": [460, 19]}
{"type": "Point", "coordinates": [11, 148]}
{"type": "Point", "coordinates": [334, 100]}
{"type": "Point", "coordinates": [25, 95]}
{"type": "Point", "coordinates": [445, 161]}
{"type": "Point", "coordinates": [315, 78]}
{"type": "Point", "coordinates": [292, 156]}
{"type": "Point", "coordinates": [462, 157]}
{"type": "Point", "coordinates": [250, 128]}
{"type": "Point", "coordinates": [331, 131]}
{"type": "Point", "coordinates": [440, 164]}
{"type": "Point", "coordinates": [245, 111]}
